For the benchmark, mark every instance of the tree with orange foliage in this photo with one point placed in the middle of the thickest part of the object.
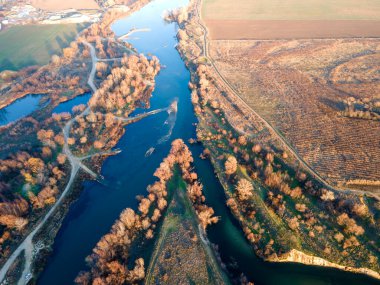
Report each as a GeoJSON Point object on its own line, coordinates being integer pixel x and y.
{"type": "Point", "coordinates": [15, 222]}
{"type": "Point", "coordinates": [244, 189]}
{"type": "Point", "coordinates": [256, 148]}
{"type": "Point", "coordinates": [206, 216]}
{"type": "Point", "coordinates": [230, 165]}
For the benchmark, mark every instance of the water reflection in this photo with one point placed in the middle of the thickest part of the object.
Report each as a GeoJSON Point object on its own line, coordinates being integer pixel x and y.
{"type": "Point", "coordinates": [20, 108]}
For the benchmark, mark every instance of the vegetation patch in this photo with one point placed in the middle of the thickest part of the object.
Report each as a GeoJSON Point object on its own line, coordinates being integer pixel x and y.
{"type": "Point", "coordinates": [180, 256]}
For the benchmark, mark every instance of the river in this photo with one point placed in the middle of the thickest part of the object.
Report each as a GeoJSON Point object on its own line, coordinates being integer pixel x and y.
{"type": "Point", "coordinates": [128, 173]}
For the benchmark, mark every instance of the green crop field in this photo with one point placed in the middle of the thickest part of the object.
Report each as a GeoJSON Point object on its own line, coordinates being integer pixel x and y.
{"type": "Point", "coordinates": [292, 9]}
{"type": "Point", "coordinates": [21, 46]}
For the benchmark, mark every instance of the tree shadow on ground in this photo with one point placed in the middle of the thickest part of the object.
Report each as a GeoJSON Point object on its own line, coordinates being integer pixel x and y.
{"type": "Point", "coordinates": [6, 64]}
{"type": "Point", "coordinates": [334, 104]}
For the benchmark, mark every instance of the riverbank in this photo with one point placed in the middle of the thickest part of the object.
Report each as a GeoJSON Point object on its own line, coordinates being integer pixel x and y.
{"type": "Point", "coordinates": [189, 50]}
{"type": "Point", "coordinates": [300, 257]}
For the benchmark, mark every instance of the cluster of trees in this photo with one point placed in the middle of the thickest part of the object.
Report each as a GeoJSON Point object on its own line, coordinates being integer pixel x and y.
{"type": "Point", "coordinates": [99, 30]}
{"type": "Point", "coordinates": [95, 131]}
{"type": "Point", "coordinates": [12, 212]}
{"type": "Point", "coordinates": [308, 198]}
{"type": "Point", "coordinates": [37, 175]}
{"type": "Point", "coordinates": [126, 87]}
{"type": "Point", "coordinates": [189, 49]}
{"type": "Point", "coordinates": [179, 15]}
{"type": "Point", "coordinates": [29, 181]}
{"type": "Point", "coordinates": [126, 84]}
{"type": "Point", "coordinates": [361, 109]}
{"type": "Point", "coordinates": [110, 258]}
{"type": "Point", "coordinates": [349, 224]}
{"type": "Point", "coordinates": [68, 72]}
{"type": "Point", "coordinates": [206, 94]}
{"type": "Point", "coordinates": [180, 155]}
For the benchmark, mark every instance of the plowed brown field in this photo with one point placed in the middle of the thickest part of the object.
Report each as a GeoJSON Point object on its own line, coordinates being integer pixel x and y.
{"type": "Point", "coordinates": [291, 29]}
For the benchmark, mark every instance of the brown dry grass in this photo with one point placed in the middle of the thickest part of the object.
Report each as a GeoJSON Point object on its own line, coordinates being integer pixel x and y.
{"type": "Point", "coordinates": [299, 85]}
{"type": "Point", "coordinates": [291, 29]}
{"type": "Point", "coordinates": [57, 5]}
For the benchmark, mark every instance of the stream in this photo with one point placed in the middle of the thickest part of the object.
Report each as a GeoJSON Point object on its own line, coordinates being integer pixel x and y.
{"type": "Point", "coordinates": [144, 146]}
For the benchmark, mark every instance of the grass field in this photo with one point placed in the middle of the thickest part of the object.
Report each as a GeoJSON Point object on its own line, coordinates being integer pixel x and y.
{"type": "Point", "coordinates": [291, 19]}
{"type": "Point", "coordinates": [292, 9]}
{"type": "Point", "coordinates": [22, 46]}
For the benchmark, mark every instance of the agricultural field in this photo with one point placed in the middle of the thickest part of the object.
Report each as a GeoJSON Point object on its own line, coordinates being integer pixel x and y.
{"type": "Point", "coordinates": [277, 19]}
{"type": "Point", "coordinates": [23, 46]}
{"type": "Point", "coordinates": [322, 95]}
{"type": "Point", "coordinates": [312, 71]}
{"type": "Point", "coordinates": [291, 10]}
{"type": "Point", "coordinates": [54, 5]}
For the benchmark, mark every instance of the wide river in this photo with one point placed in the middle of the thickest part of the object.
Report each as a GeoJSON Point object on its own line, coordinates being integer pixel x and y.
{"type": "Point", "coordinates": [128, 174]}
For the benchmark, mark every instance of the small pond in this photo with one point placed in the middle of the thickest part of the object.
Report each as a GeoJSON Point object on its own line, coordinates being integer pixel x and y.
{"type": "Point", "coordinates": [19, 109]}
{"type": "Point", "coordinates": [68, 105]}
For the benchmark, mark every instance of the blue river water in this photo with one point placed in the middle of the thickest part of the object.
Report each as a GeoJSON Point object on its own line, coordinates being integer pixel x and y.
{"type": "Point", "coordinates": [130, 172]}
{"type": "Point", "coordinates": [67, 106]}
{"type": "Point", "coordinates": [20, 108]}
{"type": "Point", "coordinates": [26, 105]}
